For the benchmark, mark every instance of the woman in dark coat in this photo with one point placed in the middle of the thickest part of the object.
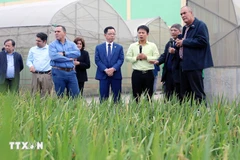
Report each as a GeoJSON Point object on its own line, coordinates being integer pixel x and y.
{"type": "Point", "coordinates": [82, 63]}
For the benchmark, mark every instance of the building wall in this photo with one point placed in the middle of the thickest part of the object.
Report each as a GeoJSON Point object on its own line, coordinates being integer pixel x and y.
{"type": "Point", "coordinates": [167, 10]}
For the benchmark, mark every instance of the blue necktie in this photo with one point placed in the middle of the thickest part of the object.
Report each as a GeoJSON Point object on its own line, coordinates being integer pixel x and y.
{"type": "Point", "coordinates": [109, 52]}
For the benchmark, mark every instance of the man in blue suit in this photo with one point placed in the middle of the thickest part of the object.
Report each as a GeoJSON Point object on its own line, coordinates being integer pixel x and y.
{"type": "Point", "coordinates": [109, 58]}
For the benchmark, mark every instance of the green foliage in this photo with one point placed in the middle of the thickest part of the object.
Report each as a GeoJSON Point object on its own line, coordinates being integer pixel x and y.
{"type": "Point", "coordinates": [75, 129]}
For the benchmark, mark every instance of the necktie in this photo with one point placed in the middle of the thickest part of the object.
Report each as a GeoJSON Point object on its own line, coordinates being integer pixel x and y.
{"type": "Point", "coordinates": [181, 49]}
{"type": "Point", "coordinates": [109, 54]}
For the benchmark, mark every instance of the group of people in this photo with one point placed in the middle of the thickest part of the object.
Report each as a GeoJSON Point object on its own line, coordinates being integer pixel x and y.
{"type": "Point", "coordinates": [64, 63]}
{"type": "Point", "coordinates": [59, 63]}
{"type": "Point", "coordinates": [184, 58]}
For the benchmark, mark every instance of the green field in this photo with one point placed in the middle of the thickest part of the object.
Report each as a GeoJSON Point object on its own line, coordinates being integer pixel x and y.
{"type": "Point", "coordinates": [75, 129]}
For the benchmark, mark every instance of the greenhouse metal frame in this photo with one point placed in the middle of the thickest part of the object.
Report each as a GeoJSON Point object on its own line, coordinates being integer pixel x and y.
{"type": "Point", "coordinates": [84, 18]}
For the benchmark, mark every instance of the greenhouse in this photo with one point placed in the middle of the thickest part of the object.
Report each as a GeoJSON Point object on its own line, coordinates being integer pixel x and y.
{"type": "Point", "coordinates": [223, 20]}
{"type": "Point", "coordinates": [81, 18]}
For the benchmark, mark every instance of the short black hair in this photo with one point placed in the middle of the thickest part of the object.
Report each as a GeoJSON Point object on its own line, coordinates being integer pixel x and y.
{"type": "Point", "coordinates": [144, 27]}
{"type": "Point", "coordinates": [63, 28]}
{"type": "Point", "coordinates": [42, 36]}
{"type": "Point", "coordinates": [107, 28]}
{"type": "Point", "coordinates": [11, 40]}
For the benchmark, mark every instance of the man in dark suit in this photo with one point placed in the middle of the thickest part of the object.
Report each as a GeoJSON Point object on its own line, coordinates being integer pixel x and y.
{"type": "Point", "coordinates": [109, 58]}
{"type": "Point", "coordinates": [171, 60]}
{"type": "Point", "coordinates": [11, 64]}
{"type": "Point", "coordinates": [195, 55]}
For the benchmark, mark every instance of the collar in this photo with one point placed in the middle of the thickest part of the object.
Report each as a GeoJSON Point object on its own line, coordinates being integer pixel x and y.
{"type": "Point", "coordinates": [192, 25]}
{"type": "Point", "coordinates": [60, 41]}
{"type": "Point", "coordinates": [109, 43]}
{"type": "Point", "coordinates": [140, 44]}
{"type": "Point", "coordinates": [10, 54]}
{"type": "Point", "coordinates": [45, 47]}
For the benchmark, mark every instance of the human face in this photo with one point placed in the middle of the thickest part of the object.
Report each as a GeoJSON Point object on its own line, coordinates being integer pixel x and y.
{"type": "Point", "coordinates": [174, 32]}
{"type": "Point", "coordinates": [142, 35]}
{"type": "Point", "coordinates": [187, 15]}
{"type": "Point", "coordinates": [110, 35]}
{"type": "Point", "coordinates": [9, 48]}
{"type": "Point", "coordinates": [60, 34]}
{"type": "Point", "coordinates": [40, 43]}
{"type": "Point", "coordinates": [79, 45]}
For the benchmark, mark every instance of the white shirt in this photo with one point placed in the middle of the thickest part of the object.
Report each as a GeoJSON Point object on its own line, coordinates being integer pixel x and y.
{"type": "Point", "coordinates": [39, 58]}
{"type": "Point", "coordinates": [107, 46]}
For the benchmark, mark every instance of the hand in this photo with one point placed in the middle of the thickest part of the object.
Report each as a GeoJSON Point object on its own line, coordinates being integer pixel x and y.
{"type": "Point", "coordinates": [32, 69]}
{"type": "Point", "coordinates": [141, 56]}
{"type": "Point", "coordinates": [76, 62]}
{"type": "Point", "coordinates": [171, 50]}
{"type": "Point", "coordinates": [154, 61]}
{"type": "Point", "coordinates": [110, 71]}
{"type": "Point", "coordinates": [107, 71]}
{"type": "Point", "coordinates": [61, 53]}
{"type": "Point", "coordinates": [179, 42]}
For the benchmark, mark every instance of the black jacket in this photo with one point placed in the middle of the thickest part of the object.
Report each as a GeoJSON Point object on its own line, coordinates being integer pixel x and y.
{"type": "Point", "coordinates": [175, 61]}
{"type": "Point", "coordinates": [18, 65]}
{"type": "Point", "coordinates": [84, 65]}
{"type": "Point", "coordinates": [196, 48]}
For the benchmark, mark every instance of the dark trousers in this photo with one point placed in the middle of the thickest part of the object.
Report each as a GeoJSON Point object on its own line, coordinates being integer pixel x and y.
{"type": "Point", "coordinates": [81, 87]}
{"type": "Point", "coordinates": [116, 86]}
{"type": "Point", "coordinates": [171, 87]}
{"type": "Point", "coordinates": [11, 85]}
{"type": "Point", "coordinates": [192, 85]}
{"type": "Point", "coordinates": [142, 82]}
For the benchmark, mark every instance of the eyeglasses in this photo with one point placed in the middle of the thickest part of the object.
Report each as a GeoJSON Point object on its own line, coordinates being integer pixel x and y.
{"type": "Point", "coordinates": [111, 34]}
{"type": "Point", "coordinates": [57, 31]}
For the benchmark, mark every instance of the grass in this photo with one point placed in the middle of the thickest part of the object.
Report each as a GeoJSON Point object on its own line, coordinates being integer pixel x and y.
{"type": "Point", "coordinates": [75, 129]}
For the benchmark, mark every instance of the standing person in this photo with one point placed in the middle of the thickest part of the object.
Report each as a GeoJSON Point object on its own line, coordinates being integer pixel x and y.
{"type": "Point", "coordinates": [11, 66]}
{"type": "Point", "coordinates": [140, 54]}
{"type": "Point", "coordinates": [82, 63]}
{"type": "Point", "coordinates": [155, 73]}
{"type": "Point", "coordinates": [62, 53]}
{"type": "Point", "coordinates": [171, 60]}
{"type": "Point", "coordinates": [109, 58]}
{"type": "Point", "coordinates": [195, 55]}
{"type": "Point", "coordinates": [38, 62]}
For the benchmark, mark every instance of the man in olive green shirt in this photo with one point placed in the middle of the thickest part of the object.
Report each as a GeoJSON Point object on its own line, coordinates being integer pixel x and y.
{"type": "Point", "coordinates": [139, 54]}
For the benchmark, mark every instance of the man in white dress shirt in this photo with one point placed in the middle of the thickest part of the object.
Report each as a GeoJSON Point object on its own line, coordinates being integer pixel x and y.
{"type": "Point", "coordinates": [38, 62]}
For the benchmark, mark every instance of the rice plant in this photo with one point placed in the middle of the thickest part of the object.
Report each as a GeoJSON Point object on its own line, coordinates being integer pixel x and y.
{"type": "Point", "coordinates": [80, 130]}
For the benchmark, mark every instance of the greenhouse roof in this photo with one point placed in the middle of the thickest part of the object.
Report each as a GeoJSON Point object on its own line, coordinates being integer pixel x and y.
{"type": "Point", "coordinates": [32, 14]}
{"type": "Point", "coordinates": [133, 24]}
{"type": "Point", "coordinates": [237, 10]}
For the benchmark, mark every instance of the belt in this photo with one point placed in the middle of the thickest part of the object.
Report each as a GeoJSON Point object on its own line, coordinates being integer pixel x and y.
{"type": "Point", "coordinates": [9, 79]}
{"type": "Point", "coordinates": [143, 72]}
{"type": "Point", "coordinates": [44, 72]}
{"type": "Point", "coordinates": [64, 69]}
